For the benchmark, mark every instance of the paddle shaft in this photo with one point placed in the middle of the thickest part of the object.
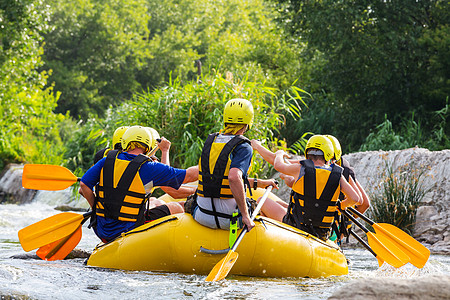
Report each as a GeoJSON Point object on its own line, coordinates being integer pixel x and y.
{"type": "Point", "coordinates": [361, 215]}
{"type": "Point", "coordinates": [255, 212]}
{"type": "Point", "coordinates": [359, 239]}
{"type": "Point", "coordinates": [363, 228]}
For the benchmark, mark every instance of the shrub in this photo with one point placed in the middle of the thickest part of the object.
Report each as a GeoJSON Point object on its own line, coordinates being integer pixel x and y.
{"type": "Point", "coordinates": [396, 199]}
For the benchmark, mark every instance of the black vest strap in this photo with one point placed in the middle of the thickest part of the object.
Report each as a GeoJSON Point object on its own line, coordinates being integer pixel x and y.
{"type": "Point", "coordinates": [116, 196]}
{"type": "Point", "coordinates": [212, 183]}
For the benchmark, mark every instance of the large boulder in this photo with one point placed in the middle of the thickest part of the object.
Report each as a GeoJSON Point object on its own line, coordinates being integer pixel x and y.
{"type": "Point", "coordinates": [11, 190]}
{"type": "Point", "coordinates": [423, 288]}
{"type": "Point", "coordinates": [432, 226]}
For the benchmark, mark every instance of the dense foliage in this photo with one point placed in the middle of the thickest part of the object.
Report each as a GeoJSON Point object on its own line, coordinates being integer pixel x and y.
{"type": "Point", "coordinates": [28, 127]}
{"type": "Point", "coordinates": [103, 51]}
{"type": "Point", "coordinates": [396, 199]}
{"type": "Point", "coordinates": [369, 59]}
{"type": "Point", "coordinates": [186, 114]}
{"type": "Point", "coordinates": [377, 72]}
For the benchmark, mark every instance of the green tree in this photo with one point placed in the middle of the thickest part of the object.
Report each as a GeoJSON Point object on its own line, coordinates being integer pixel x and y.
{"type": "Point", "coordinates": [186, 114]}
{"type": "Point", "coordinates": [373, 57]}
{"type": "Point", "coordinates": [101, 52]}
{"type": "Point", "coordinates": [94, 49]}
{"type": "Point", "coordinates": [28, 127]}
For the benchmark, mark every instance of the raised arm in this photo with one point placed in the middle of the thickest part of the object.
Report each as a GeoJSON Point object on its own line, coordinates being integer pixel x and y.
{"type": "Point", "coordinates": [286, 168]}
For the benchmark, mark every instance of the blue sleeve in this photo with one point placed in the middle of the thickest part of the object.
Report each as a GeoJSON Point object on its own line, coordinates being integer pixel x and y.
{"type": "Point", "coordinates": [241, 157]}
{"type": "Point", "coordinates": [92, 176]}
{"type": "Point", "coordinates": [161, 175]}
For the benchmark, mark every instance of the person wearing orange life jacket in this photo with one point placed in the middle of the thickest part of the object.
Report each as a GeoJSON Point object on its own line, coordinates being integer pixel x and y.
{"type": "Point", "coordinates": [343, 223]}
{"type": "Point", "coordinates": [121, 177]}
{"type": "Point", "coordinates": [223, 167]}
{"type": "Point", "coordinates": [315, 189]}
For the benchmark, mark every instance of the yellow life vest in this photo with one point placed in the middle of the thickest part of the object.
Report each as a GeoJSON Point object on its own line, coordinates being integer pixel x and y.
{"type": "Point", "coordinates": [314, 196]}
{"type": "Point", "coordinates": [121, 193]}
{"type": "Point", "coordinates": [214, 165]}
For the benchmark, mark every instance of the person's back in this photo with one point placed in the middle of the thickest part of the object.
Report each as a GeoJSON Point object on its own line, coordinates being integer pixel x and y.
{"type": "Point", "coordinates": [315, 192]}
{"type": "Point", "coordinates": [121, 177]}
{"type": "Point", "coordinates": [315, 189]}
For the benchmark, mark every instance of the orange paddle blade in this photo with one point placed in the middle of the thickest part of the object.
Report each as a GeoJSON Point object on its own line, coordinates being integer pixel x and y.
{"type": "Point", "coordinates": [47, 177]}
{"type": "Point", "coordinates": [418, 253]}
{"type": "Point", "coordinates": [59, 249]}
{"type": "Point", "coordinates": [49, 230]}
{"type": "Point", "coordinates": [223, 267]}
{"type": "Point", "coordinates": [386, 250]}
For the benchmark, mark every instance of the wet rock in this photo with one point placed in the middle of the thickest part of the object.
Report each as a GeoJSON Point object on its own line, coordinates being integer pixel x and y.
{"type": "Point", "coordinates": [70, 208]}
{"type": "Point", "coordinates": [78, 253]}
{"type": "Point", "coordinates": [75, 253]}
{"type": "Point", "coordinates": [423, 288]}
{"type": "Point", "coordinates": [11, 190]}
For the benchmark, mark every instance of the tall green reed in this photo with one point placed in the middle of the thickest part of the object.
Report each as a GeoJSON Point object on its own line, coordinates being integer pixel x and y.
{"type": "Point", "coordinates": [396, 199]}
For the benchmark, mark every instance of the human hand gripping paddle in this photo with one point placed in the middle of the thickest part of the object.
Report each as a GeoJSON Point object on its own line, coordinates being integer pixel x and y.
{"type": "Point", "coordinates": [57, 235]}
{"type": "Point", "coordinates": [224, 266]}
{"type": "Point", "coordinates": [417, 252]}
{"type": "Point", "coordinates": [383, 248]}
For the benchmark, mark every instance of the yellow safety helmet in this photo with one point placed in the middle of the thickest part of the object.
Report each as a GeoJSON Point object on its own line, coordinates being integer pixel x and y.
{"type": "Point", "coordinates": [137, 134]}
{"type": "Point", "coordinates": [155, 136]}
{"type": "Point", "coordinates": [323, 144]}
{"type": "Point", "coordinates": [117, 137]}
{"type": "Point", "coordinates": [238, 111]}
{"type": "Point", "coordinates": [336, 146]}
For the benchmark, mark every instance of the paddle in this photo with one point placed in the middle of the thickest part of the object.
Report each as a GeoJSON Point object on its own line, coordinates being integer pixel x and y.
{"type": "Point", "coordinates": [223, 267]}
{"type": "Point", "coordinates": [59, 249]}
{"type": "Point", "coordinates": [359, 239]}
{"type": "Point", "coordinates": [417, 252]}
{"type": "Point", "coordinates": [51, 177]}
{"type": "Point", "coordinates": [381, 245]}
{"type": "Point", "coordinates": [50, 229]}
{"type": "Point", "coordinates": [47, 177]}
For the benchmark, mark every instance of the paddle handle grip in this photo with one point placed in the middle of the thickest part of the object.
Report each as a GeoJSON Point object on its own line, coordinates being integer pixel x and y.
{"type": "Point", "coordinates": [254, 214]}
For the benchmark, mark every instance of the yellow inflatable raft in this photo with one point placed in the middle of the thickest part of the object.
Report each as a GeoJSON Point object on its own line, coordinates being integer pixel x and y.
{"type": "Point", "coordinates": [178, 243]}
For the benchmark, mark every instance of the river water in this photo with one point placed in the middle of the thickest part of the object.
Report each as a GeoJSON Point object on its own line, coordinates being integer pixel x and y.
{"type": "Point", "coordinates": [70, 279]}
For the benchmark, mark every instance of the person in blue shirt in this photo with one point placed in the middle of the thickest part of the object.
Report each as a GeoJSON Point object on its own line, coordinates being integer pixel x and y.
{"type": "Point", "coordinates": [119, 179]}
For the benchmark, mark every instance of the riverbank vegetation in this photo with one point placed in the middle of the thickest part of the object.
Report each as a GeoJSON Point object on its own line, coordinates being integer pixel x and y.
{"type": "Point", "coordinates": [372, 73]}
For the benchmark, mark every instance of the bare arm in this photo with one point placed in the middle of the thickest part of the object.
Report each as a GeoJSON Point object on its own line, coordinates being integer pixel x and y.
{"type": "Point", "coordinates": [266, 154]}
{"type": "Point", "coordinates": [352, 196]}
{"type": "Point", "coordinates": [87, 193]}
{"type": "Point", "coordinates": [164, 146]}
{"type": "Point", "coordinates": [183, 192]}
{"type": "Point", "coordinates": [263, 183]}
{"type": "Point", "coordinates": [191, 174]}
{"type": "Point", "coordinates": [286, 168]}
{"type": "Point", "coordinates": [366, 201]}
{"type": "Point", "coordinates": [237, 188]}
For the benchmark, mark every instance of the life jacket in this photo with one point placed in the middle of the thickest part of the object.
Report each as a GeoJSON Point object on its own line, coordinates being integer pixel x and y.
{"type": "Point", "coordinates": [313, 197]}
{"type": "Point", "coordinates": [121, 193]}
{"type": "Point", "coordinates": [214, 167]}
